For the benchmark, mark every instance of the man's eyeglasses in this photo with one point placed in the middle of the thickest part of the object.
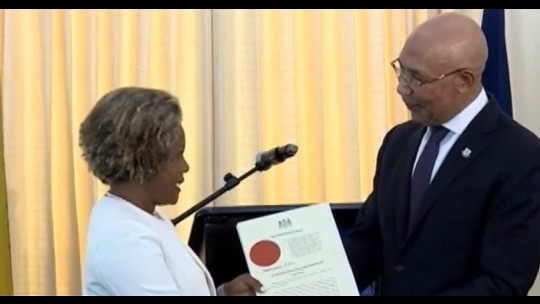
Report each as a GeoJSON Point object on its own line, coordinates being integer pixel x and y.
{"type": "Point", "coordinates": [406, 77]}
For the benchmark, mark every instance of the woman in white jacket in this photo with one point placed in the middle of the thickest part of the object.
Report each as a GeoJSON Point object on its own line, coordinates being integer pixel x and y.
{"type": "Point", "coordinates": [133, 141]}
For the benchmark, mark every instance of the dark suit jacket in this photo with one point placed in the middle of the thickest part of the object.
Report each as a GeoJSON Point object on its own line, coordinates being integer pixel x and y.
{"type": "Point", "coordinates": [478, 229]}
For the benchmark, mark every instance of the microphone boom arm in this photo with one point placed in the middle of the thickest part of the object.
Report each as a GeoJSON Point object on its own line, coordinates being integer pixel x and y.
{"type": "Point", "coordinates": [231, 181]}
{"type": "Point", "coordinates": [264, 162]}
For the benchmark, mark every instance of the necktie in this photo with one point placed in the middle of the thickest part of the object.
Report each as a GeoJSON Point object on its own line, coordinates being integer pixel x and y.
{"type": "Point", "coordinates": [422, 173]}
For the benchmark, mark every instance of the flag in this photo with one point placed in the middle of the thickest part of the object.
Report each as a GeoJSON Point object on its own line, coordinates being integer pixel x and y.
{"type": "Point", "coordinates": [6, 284]}
{"type": "Point", "coordinates": [496, 77]}
{"type": "Point", "coordinates": [6, 287]}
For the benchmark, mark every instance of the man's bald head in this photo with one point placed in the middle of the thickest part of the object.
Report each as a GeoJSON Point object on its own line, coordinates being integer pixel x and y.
{"type": "Point", "coordinates": [450, 41]}
{"type": "Point", "coordinates": [445, 57]}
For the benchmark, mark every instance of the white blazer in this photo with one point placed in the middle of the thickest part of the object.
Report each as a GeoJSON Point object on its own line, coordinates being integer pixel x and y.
{"type": "Point", "coordinates": [131, 252]}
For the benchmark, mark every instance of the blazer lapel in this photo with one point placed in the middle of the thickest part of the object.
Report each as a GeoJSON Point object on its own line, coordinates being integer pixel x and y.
{"type": "Point", "coordinates": [208, 276]}
{"type": "Point", "coordinates": [470, 144]}
{"type": "Point", "coordinates": [405, 176]}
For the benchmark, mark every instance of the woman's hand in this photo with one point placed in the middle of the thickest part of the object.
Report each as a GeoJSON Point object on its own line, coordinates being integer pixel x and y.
{"type": "Point", "coordinates": [243, 285]}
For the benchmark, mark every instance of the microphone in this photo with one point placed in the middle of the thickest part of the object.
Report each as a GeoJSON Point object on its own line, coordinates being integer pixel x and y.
{"type": "Point", "coordinates": [277, 155]}
{"type": "Point", "coordinates": [264, 161]}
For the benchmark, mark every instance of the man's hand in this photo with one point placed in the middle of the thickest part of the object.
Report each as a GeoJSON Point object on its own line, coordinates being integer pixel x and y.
{"type": "Point", "coordinates": [243, 285]}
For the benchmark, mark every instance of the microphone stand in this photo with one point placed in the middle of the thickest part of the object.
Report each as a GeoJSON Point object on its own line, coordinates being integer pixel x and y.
{"type": "Point", "coordinates": [231, 181]}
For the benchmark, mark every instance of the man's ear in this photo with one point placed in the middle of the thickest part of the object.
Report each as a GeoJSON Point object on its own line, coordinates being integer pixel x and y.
{"type": "Point", "coordinates": [466, 80]}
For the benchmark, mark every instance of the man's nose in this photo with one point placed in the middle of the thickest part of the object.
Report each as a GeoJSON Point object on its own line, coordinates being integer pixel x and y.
{"type": "Point", "coordinates": [403, 88]}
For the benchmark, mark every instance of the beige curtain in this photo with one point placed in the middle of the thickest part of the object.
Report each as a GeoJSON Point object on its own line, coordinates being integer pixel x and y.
{"type": "Point", "coordinates": [248, 80]}
{"type": "Point", "coordinates": [58, 63]}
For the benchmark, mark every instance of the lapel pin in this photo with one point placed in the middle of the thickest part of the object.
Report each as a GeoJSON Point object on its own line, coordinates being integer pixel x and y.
{"type": "Point", "coordinates": [466, 153]}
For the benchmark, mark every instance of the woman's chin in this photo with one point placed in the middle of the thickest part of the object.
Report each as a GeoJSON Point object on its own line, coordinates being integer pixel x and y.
{"type": "Point", "coordinates": [173, 200]}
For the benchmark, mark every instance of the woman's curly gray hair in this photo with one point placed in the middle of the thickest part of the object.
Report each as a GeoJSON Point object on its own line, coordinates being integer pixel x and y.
{"type": "Point", "coordinates": [127, 135]}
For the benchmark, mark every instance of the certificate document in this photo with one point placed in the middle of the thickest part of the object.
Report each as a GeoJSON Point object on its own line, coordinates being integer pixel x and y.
{"type": "Point", "coordinates": [297, 252]}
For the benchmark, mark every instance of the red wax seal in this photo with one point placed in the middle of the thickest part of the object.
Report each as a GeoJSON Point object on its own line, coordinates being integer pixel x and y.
{"type": "Point", "coordinates": [264, 253]}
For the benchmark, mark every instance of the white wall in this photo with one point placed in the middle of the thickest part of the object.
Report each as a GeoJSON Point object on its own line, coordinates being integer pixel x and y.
{"type": "Point", "coordinates": [523, 44]}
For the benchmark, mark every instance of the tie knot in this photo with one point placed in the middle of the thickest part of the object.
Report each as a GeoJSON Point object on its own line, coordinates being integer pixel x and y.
{"type": "Point", "coordinates": [437, 134]}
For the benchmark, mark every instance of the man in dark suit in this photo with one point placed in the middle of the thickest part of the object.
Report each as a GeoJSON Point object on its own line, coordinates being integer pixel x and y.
{"type": "Point", "coordinates": [471, 224]}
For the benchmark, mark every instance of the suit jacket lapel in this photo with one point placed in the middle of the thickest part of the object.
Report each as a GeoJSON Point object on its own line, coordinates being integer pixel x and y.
{"type": "Point", "coordinates": [405, 176]}
{"type": "Point", "coordinates": [474, 140]}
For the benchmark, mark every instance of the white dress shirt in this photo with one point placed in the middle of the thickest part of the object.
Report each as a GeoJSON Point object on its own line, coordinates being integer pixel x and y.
{"type": "Point", "coordinates": [456, 126]}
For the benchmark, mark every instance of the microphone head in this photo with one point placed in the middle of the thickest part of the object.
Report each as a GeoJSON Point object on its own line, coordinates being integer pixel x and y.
{"type": "Point", "coordinates": [265, 160]}
{"type": "Point", "coordinates": [291, 149]}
